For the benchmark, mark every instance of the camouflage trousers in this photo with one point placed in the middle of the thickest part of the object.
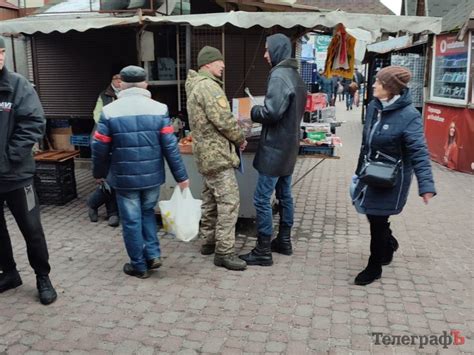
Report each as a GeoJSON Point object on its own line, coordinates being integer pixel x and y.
{"type": "Point", "coordinates": [220, 210]}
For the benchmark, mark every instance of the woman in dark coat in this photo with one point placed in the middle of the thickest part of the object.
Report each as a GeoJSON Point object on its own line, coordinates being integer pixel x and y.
{"type": "Point", "coordinates": [393, 130]}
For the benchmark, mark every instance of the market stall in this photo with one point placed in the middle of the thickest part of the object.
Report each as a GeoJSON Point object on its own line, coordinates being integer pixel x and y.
{"type": "Point", "coordinates": [239, 35]}
{"type": "Point", "coordinates": [449, 112]}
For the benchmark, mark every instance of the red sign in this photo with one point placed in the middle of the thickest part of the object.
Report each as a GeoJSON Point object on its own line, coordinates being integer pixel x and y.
{"type": "Point", "coordinates": [449, 132]}
{"type": "Point", "coordinates": [449, 45]}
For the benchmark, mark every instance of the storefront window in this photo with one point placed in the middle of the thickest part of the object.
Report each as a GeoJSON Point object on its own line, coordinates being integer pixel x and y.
{"type": "Point", "coordinates": [450, 69]}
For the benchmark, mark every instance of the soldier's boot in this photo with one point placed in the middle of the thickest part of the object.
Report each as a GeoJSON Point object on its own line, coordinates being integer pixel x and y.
{"type": "Point", "coordinates": [282, 243]}
{"type": "Point", "coordinates": [229, 261]}
{"type": "Point", "coordinates": [261, 254]}
{"type": "Point", "coordinates": [208, 249]}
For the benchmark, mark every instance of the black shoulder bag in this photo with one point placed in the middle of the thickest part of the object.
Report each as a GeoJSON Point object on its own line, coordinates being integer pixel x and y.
{"type": "Point", "coordinates": [378, 173]}
{"type": "Point", "coordinates": [382, 174]}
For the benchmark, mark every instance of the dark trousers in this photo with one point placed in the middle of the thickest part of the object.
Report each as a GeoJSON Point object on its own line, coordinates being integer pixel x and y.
{"type": "Point", "coordinates": [380, 233]}
{"type": "Point", "coordinates": [23, 204]}
{"type": "Point", "coordinates": [99, 197]}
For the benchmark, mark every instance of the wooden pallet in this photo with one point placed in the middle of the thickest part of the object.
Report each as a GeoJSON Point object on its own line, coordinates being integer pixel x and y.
{"type": "Point", "coordinates": [56, 155]}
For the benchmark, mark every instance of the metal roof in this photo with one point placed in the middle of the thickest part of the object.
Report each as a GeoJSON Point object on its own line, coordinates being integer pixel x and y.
{"type": "Point", "coordinates": [458, 16]}
{"type": "Point", "coordinates": [370, 22]}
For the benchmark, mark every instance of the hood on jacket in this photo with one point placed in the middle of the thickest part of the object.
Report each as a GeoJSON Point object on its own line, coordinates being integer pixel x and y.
{"type": "Point", "coordinates": [279, 48]}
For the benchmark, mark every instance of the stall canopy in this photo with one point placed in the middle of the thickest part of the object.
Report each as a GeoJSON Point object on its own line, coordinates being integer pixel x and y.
{"type": "Point", "coordinates": [369, 22]}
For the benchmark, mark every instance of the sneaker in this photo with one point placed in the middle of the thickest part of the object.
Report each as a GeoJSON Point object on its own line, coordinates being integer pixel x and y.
{"type": "Point", "coordinates": [130, 270]}
{"type": "Point", "coordinates": [113, 221]}
{"type": "Point", "coordinates": [46, 291]}
{"type": "Point", "coordinates": [93, 216]}
{"type": "Point", "coordinates": [208, 249]}
{"type": "Point", "coordinates": [154, 263]}
{"type": "Point", "coordinates": [230, 262]}
{"type": "Point", "coordinates": [9, 280]}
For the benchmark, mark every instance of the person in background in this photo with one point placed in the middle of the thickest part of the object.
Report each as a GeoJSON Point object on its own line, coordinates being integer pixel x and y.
{"type": "Point", "coordinates": [22, 124]}
{"type": "Point", "coordinates": [326, 86]}
{"type": "Point", "coordinates": [351, 90]}
{"type": "Point", "coordinates": [393, 131]}
{"type": "Point", "coordinates": [216, 139]}
{"type": "Point", "coordinates": [104, 194]}
{"type": "Point", "coordinates": [107, 96]}
{"type": "Point", "coordinates": [275, 160]}
{"type": "Point", "coordinates": [133, 138]}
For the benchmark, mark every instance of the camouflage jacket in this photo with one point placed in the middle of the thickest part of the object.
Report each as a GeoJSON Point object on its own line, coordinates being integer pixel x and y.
{"type": "Point", "coordinates": [216, 134]}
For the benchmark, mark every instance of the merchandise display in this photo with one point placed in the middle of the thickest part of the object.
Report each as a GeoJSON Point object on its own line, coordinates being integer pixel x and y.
{"type": "Point", "coordinates": [416, 64]}
{"type": "Point", "coordinates": [451, 77]}
{"type": "Point", "coordinates": [450, 69]}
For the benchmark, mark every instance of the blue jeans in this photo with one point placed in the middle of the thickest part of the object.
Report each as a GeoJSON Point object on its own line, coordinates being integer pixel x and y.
{"type": "Point", "coordinates": [137, 211]}
{"type": "Point", "coordinates": [262, 201]}
{"type": "Point", "coordinates": [349, 100]}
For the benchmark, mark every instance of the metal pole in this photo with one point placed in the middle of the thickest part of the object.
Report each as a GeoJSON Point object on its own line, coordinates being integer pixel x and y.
{"type": "Point", "coordinates": [188, 48]}
{"type": "Point", "coordinates": [13, 53]}
{"type": "Point", "coordinates": [178, 67]}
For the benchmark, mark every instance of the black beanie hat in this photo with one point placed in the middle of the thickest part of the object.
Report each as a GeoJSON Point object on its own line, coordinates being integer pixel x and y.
{"type": "Point", "coordinates": [208, 55]}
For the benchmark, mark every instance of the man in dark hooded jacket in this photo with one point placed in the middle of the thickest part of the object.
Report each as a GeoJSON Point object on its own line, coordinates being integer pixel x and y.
{"type": "Point", "coordinates": [275, 159]}
{"type": "Point", "coordinates": [22, 124]}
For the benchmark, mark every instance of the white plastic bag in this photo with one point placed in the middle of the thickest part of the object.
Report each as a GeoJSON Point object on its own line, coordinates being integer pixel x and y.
{"type": "Point", "coordinates": [181, 214]}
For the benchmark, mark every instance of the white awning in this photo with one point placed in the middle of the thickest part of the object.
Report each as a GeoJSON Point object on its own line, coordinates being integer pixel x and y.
{"type": "Point", "coordinates": [63, 23]}
{"type": "Point", "coordinates": [370, 22]}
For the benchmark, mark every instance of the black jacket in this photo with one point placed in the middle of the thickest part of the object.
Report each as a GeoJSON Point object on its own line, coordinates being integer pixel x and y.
{"type": "Point", "coordinates": [281, 113]}
{"type": "Point", "coordinates": [22, 124]}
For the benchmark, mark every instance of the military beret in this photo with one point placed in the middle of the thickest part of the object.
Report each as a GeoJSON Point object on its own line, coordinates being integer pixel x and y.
{"type": "Point", "coordinates": [2, 42]}
{"type": "Point", "coordinates": [133, 74]}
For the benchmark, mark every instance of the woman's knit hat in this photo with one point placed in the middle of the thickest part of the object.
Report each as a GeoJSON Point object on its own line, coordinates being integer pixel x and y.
{"type": "Point", "coordinates": [394, 79]}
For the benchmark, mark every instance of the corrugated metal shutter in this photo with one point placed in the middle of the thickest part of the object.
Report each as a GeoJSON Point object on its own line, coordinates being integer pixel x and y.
{"type": "Point", "coordinates": [71, 69]}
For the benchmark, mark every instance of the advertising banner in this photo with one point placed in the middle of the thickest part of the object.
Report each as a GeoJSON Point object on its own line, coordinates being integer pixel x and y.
{"type": "Point", "coordinates": [321, 45]}
{"type": "Point", "coordinates": [449, 132]}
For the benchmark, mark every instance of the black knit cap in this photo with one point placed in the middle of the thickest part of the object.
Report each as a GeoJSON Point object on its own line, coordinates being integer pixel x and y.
{"type": "Point", "coordinates": [133, 74]}
{"type": "Point", "coordinates": [2, 42]}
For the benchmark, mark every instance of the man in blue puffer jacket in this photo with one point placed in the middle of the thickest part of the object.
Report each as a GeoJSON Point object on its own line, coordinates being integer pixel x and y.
{"type": "Point", "coordinates": [133, 137]}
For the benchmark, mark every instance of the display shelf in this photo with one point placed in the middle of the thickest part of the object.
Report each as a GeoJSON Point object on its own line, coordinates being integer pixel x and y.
{"type": "Point", "coordinates": [463, 83]}
{"type": "Point", "coordinates": [457, 67]}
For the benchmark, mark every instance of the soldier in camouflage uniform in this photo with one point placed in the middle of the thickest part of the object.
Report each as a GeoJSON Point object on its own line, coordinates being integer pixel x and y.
{"type": "Point", "coordinates": [216, 138]}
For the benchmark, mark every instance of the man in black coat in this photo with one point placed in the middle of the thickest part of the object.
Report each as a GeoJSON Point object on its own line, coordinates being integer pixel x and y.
{"type": "Point", "coordinates": [275, 159]}
{"type": "Point", "coordinates": [22, 124]}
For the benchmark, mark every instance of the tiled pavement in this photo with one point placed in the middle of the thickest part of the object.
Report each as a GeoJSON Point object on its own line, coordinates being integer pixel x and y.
{"type": "Point", "coordinates": [303, 304]}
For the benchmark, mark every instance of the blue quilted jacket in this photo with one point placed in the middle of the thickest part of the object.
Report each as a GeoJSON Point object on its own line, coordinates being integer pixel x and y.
{"type": "Point", "coordinates": [395, 131]}
{"type": "Point", "coordinates": [132, 140]}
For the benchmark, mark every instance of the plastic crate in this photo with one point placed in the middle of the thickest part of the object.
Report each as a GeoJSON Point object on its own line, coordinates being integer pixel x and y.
{"type": "Point", "coordinates": [55, 182]}
{"type": "Point", "coordinates": [81, 140]}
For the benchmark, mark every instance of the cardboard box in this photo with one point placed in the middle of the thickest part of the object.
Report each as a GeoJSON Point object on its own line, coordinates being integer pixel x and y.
{"type": "Point", "coordinates": [61, 138]}
{"type": "Point", "coordinates": [241, 106]}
